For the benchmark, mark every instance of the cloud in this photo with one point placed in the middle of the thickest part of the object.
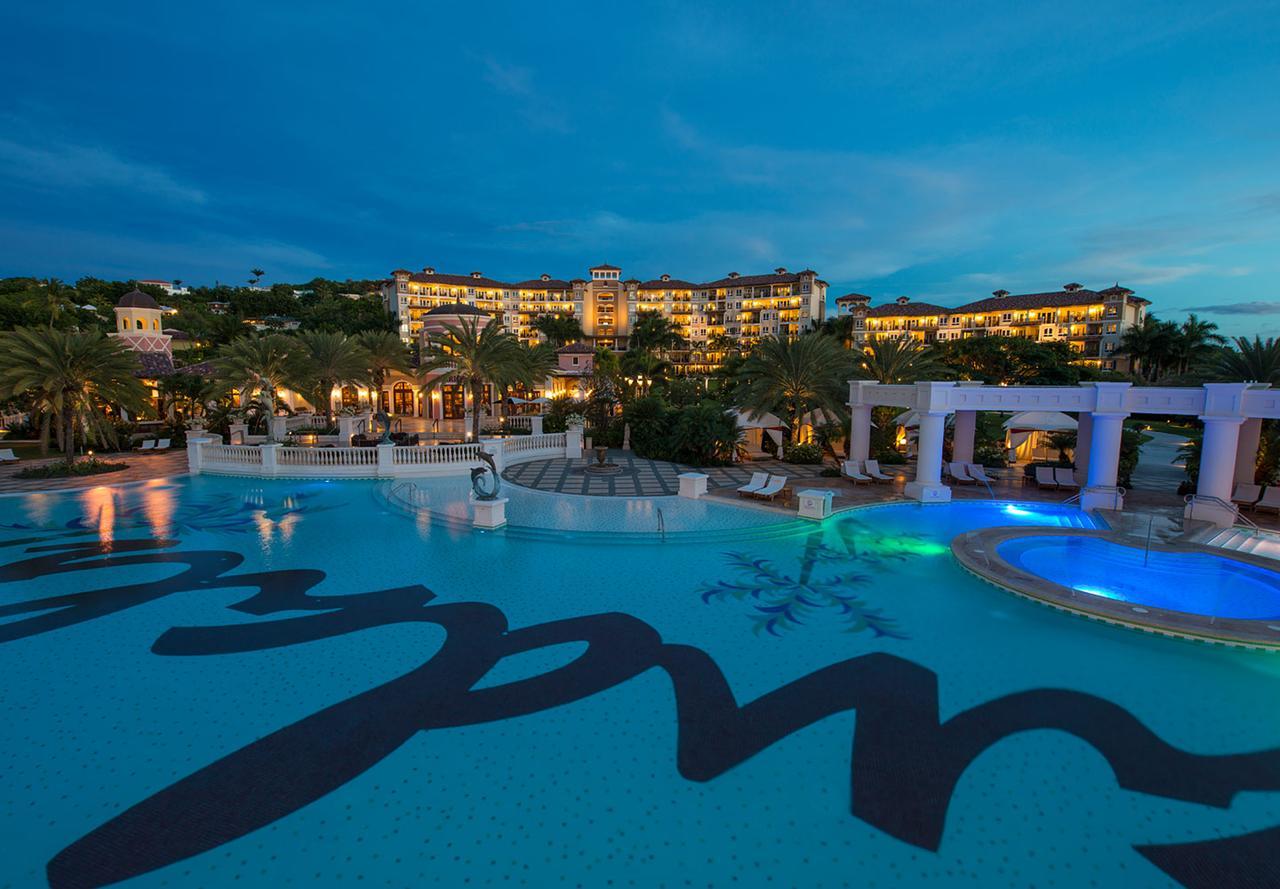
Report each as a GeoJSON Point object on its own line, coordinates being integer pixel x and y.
{"type": "Point", "coordinates": [516, 81]}
{"type": "Point", "coordinates": [1257, 307]}
{"type": "Point", "coordinates": [86, 167]}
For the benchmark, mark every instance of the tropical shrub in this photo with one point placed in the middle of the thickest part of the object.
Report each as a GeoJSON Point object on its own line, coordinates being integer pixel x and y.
{"type": "Point", "coordinates": [705, 434]}
{"type": "Point", "coordinates": [648, 418]}
{"type": "Point", "coordinates": [805, 454]}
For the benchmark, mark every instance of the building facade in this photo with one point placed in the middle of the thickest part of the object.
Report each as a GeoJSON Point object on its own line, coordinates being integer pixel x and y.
{"type": "Point", "coordinates": [735, 310]}
{"type": "Point", "coordinates": [1091, 322]}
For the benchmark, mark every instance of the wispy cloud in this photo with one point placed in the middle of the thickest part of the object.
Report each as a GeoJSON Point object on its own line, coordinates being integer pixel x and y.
{"type": "Point", "coordinates": [1256, 307]}
{"type": "Point", "coordinates": [70, 166]}
{"type": "Point", "coordinates": [516, 81]}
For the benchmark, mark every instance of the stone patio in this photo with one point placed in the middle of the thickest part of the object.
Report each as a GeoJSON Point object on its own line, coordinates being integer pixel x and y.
{"type": "Point", "coordinates": [142, 467]}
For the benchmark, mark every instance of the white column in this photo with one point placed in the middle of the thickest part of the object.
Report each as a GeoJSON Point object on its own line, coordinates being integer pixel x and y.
{"type": "Point", "coordinates": [269, 462]}
{"type": "Point", "coordinates": [1217, 472]}
{"type": "Point", "coordinates": [194, 461]}
{"type": "Point", "coordinates": [1104, 463]}
{"type": "Point", "coordinates": [279, 428]}
{"type": "Point", "coordinates": [962, 436]}
{"type": "Point", "coordinates": [346, 429]}
{"type": "Point", "coordinates": [573, 442]}
{"type": "Point", "coordinates": [1084, 434]}
{"type": "Point", "coordinates": [860, 432]}
{"type": "Point", "coordinates": [1247, 450]}
{"type": "Point", "coordinates": [928, 483]}
{"type": "Point", "coordinates": [386, 468]}
{"type": "Point", "coordinates": [535, 424]}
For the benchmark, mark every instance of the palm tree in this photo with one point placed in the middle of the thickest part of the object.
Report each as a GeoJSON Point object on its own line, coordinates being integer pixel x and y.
{"type": "Point", "coordinates": [897, 360]}
{"type": "Point", "coordinates": [558, 329]}
{"type": "Point", "coordinates": [474, 355]}
{"type": "Point", "coordinates": [654, 332]}
{"type": "Point", "coordinates": [1194, 341]}
{"type": "Point", "coordinates": [793, 377]}
{"type": "Point", "coordinates": [330, 359]}
{"type": "Point", "coordinates": [384, 354]}
{"type": "Point", "coordinates": [261, 364]}
{"type": "Point", "coordinates": [645, 368]}
{"type": "Point", "coordinates": [1256, 362]}
{"type": "Point", "coordinates": [1149, 345]}
{"type": "Point", "coordinates": [52, 299]}
{"type": "Point", "coordinates": [72, 376]}
{"type": "Point", "coordinates": [257, 275]}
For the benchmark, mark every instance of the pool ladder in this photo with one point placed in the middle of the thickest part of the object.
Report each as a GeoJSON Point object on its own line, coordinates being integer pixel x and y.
{"type": "Point", "coordinates": [662, 524]}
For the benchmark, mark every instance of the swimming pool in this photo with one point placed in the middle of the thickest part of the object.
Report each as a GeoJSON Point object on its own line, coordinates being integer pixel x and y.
{"type": "Point", "coordinates": [1196, 583]}
{"type": "Point", "coordinates": [214, 682]}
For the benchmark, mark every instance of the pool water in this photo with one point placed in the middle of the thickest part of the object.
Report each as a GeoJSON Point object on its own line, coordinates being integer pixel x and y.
{"type": "Point", "coordinates": [1197, 583]}
{"type": "Point", "coordinates": [217, 682]}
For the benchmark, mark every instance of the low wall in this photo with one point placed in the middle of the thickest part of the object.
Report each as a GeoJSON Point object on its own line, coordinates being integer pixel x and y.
{"type": "Point", "coordinates": [205, 456]}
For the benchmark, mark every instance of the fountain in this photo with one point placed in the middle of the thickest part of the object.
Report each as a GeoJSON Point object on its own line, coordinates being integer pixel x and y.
{"type": "Point", "coordinates": [602, 466]}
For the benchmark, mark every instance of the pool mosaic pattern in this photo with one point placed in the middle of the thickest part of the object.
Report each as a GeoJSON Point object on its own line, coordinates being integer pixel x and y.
{"type": "Point", "coordinates": [296, 684]}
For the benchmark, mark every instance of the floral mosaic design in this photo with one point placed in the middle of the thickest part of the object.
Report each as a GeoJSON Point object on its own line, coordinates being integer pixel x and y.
{"type": "Point", "coordinates": [781, 602]}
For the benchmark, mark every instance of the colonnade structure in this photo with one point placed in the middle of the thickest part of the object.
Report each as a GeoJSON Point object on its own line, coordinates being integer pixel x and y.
{"type": "Point", "coordinates": [1232, 414]}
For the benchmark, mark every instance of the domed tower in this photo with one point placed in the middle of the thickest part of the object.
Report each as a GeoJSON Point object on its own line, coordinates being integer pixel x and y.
{"type": "Point", "coordinates": [138, 326]}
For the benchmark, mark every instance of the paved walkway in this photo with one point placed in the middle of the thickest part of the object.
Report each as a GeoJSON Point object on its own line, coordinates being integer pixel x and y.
{"type": "Point", "coordinates": [1159, 466]}
{"type": "Point", "coordinates": [142, 467]}
{"type": "Point", "coordinates": [640, 477]}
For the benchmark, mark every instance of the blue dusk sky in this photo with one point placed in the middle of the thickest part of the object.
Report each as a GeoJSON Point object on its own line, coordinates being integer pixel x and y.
{"type": "Point", "coordinates": [937, 150]}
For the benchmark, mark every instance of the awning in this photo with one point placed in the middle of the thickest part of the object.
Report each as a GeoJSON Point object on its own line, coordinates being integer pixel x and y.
{"type": "Point", "coordinates": [1043, 421]}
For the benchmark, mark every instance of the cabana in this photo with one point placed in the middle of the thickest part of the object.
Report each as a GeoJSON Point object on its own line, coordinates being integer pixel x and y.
{"type": "Point", "coordinates": [1027, 434]}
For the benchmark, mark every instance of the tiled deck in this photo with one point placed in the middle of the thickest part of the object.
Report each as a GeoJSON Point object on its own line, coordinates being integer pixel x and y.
{"type": "Point", "coordinates": [142, 467]}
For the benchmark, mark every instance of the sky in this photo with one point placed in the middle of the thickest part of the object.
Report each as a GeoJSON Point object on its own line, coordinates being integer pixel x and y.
{"type": "Point", "coordinates": [935, 150]}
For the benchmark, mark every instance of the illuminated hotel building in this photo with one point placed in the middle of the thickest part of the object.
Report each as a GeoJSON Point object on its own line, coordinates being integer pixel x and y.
{"type": "Point", "coordinates": [1091, 322]}
{"type": "Point", "coordinates": [739, 308]}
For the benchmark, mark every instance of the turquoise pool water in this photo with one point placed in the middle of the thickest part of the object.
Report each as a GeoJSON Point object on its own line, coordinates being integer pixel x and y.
{"type": "Point", "coordinates": [217, 682]}
{"type": "Point", "coordinates": [1197, 583]}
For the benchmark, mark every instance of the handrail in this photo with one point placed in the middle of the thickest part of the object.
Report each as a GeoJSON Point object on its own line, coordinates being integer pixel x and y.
{"type": "Point", "coordinates": [1118, 492]}
{"type": "Point", "coordinates": [1218, 501]}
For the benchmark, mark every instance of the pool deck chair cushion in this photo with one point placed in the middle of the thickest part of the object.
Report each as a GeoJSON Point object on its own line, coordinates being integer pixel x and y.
{"type": "Point", "coordinates": [162, 445]}
{"type": "Point", "coordinates": [976, 471]}
{"type": "Point", "coordinates": [148, 445]}
{"type": "Point", "coordinates": [1066, 478]}
{"type": "Point", "coordinates": [872, 468]}
{"type": "Point", "coordinates": [758, 481]}
{"type": "Point", "coordinates": [1270, 497]}
{"type": "Point", "coordinates": [850, 470]}
{"type": "Point", "coordinates": [1044, 477]}
{"type": "Point", "coordinates": [8, 456]}
{"type": "Point", "coordinates": [1246, 495]}
{"type": "Point", "coordinates": [959, 473]}
{"type": "Point", "coordinates": [772, 489]}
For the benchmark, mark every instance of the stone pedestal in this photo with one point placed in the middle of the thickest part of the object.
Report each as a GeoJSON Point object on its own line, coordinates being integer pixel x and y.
{"type": "Point", "coordinates": [347, 429]}
{"type": "Point", "coordinates": [386, 466]}
{"type": "Point", "coordinates": [815, 503]}
{"type": "Point", "coordinates": [489, 514]}
{"type": "Point", "coordinates": [269, 462]}
{"type": "Point", "coordinates": [692, 484]}
{"type": "Point", "coordinates": [535, 424]}
{"type": "Point", "coordinates": [236, 433]}
{"type": "Point", "coordinates": [279, 428]}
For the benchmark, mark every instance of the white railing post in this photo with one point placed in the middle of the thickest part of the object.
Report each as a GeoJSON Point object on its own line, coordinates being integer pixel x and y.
{"type": "Point", "coordinates": [346, 429]}
{"type": "Point", "coordinates": [386, 456]}
{"type": "Point", "coordinates": [573, 443]}
{"type": "Point", "coordinates": [236, 433]}
{"type": "Point", "coordinates": [495, 447]}
{"type": "Point", "coordinates": [270, 459]}
{"type": "Point", "coordinates": [535, 424]}
{"type": "Point", "coordinates": [279, 428]}
{"type": "Point", "coordinates": [195, 459]}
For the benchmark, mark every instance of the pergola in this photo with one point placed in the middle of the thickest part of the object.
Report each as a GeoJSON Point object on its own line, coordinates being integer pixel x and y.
{"type": "Point", "coordinates": [1232, 414]}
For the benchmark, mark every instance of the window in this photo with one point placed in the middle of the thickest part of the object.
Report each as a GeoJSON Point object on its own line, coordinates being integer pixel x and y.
{"type": "Point", "coordinates": [574, 360]}
{"type": "Point", "coordinates": [138, 323]}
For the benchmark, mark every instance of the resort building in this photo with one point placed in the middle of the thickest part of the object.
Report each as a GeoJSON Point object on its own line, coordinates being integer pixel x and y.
{"type": "Point", "coordinates": [736, 310]}
{"type": "Point", "coordinates": [1091, 322]}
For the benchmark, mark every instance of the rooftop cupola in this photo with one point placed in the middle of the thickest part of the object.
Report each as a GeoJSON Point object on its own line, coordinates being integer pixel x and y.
{"type": "Point", "coordinates": [666, 277]}
{"type": "Point", "coordinates": [780, 270]}
{"type": "Point", "coordinates": [733, 274]}
{"type": "Point", "coordinates": [476, 275]}
{"type": "Point", "coordinates": [903, 300]}
{"type": "Point", "coordinates": [1072, 287]}
{"type": "Point", "coordinates": [428, 271]}
{"type": "Point", "coordinates": [999, 294]}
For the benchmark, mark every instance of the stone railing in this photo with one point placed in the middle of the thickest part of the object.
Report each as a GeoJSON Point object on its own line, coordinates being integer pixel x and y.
{"type": "Point", "coordinates": [205, 455]}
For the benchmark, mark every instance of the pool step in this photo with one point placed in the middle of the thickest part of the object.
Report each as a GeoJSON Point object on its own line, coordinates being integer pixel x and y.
{"type": "Point", "coordinates": [1248, 540]}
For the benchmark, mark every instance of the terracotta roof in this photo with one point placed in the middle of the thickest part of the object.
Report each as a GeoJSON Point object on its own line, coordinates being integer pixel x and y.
{"type": "Point", "coordinates": [605, 268]}
{"type": "Point", "coordinates": [176, 334]}
{"type": "Point", "coordinates": [576, 349]}
{"type": "Point", "coordinates": [852, 297]}
{"type": "Point", "coordinates": [154, 364]}
{"type": "Point", "coordinates": [897, 310]}
{"type": "Point", "coordinates": [1021, 301]}
{"type": "Point", "coordinates": [136, 299]}
{"type": "Point", "coordinates": [539, 284]}
{"type": "Point", "coordinates": [753, 280]}
{"type": "Point", "coordinates": [202, 369]}
{"type": "Point", "coordinates": [460, 281]}
{"type": "Point", "coordinates": [455, 309]}
{"type": "Point", "coordinates": [670, 284]}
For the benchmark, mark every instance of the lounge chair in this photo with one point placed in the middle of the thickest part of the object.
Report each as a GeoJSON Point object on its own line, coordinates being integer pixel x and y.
{"type": "Point", "coordinates": [148, 445]}
{"type": "Point", "coordinates": [978, 473]}
{"type": "Point", "coordinates": [162, 445]}
{"type": "Point", "coordinates": [1246, 495]}
{"type": "Point", "coordinates": [777, 483]}
{"type": "Point", "coordinates": [850, 471]}
{"type": "Point", "coordinates": [958, 473]}
{"type": "Point", "coordinates": [1065, 477]}
{"type": "Point", "coordinates": [1270, 498]}
{"type": "Point", "coordinates": [758, 481]}
{"type": "Point", "coordinates": [8, 456]}
{"type": "Point", "coordinates": [1045, 478]}
{"type": "Point", "coordinates": [872, 468]}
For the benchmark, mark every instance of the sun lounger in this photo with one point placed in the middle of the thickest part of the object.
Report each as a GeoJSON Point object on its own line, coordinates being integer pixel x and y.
{"type": "Point", "coordinates": [1246, 495]}
{"type": "Point", "coordinates": [1270, 498]}
{"type": "Point", "coordinates": [8, 456]}
{"type": "Point", "coordinates": [148, 445]}
{"type": "Point", "coordinates": [162, 445]}
{"type": "Point", "coordinates": [758, 481]}
{"type": "Point", "coordinates": [1065, 477]}
{"type": "Point", "coordinates": [1044, 477]}
{"type": "Point", "coordinates": [978, 473]}
{"type": "Point", "coordinates": [775, 487]}
{"type": "Point", "coordinates": [958, 473]}
{"type": "Point", "coordinates": [872, 468]}
{"type": "Point", "coordinates": [850, 471]}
